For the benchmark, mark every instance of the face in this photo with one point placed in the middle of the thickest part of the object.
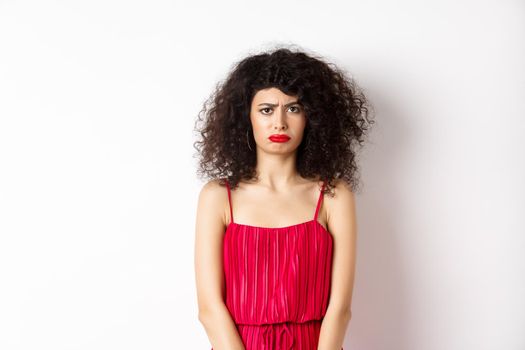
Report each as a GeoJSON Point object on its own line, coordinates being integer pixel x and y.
{"type": "Point", "coordinates": [274, 113]}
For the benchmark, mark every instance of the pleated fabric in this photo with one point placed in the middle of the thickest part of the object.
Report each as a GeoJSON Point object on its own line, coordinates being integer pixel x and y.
{"type": "Point", "coordinates": [278, 282]}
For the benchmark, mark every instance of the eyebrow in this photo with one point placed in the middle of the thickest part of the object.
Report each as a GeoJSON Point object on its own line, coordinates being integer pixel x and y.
{"type": "Point", "coordinates": [275, 105]}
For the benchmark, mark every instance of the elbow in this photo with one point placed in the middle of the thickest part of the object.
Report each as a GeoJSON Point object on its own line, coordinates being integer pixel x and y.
{"type": "Point", "coordinates": [346, 314]}
{"type": "Point", "coordinates": [342, 313]}
{"type": "Point", "coordinates": [203, 317]}
{"type": "Point", "coordinates": [206, 315]}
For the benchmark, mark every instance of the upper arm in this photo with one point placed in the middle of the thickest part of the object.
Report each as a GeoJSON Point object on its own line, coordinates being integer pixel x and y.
{"type": "Point", "coordinates": [341, 215]}
{"type": "Point", "coordinates": [209, 232]}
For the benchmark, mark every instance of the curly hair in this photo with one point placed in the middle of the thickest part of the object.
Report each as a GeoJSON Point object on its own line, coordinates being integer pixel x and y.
{"type": "Point", "coordinates": [336, 109]}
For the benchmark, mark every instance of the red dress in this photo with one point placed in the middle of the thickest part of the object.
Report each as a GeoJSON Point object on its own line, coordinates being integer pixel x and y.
{"type": "Point", "coordinates": [277, 282]}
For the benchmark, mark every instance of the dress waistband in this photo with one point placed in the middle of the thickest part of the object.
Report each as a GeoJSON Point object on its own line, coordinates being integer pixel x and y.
{"type": "Point", "coordinates": [270, 336]}
{"type": "Point", "coordinates": [276, 336]}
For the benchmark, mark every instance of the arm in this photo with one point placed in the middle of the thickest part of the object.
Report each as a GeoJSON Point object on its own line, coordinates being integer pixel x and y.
{"type": "Point", "coordinates": [209, 275]}
{"type": "Point", "coordinates": [342, 225]}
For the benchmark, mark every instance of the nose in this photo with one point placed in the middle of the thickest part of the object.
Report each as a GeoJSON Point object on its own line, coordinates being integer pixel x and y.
{"type": "Point", "coordinates": [280, 121]}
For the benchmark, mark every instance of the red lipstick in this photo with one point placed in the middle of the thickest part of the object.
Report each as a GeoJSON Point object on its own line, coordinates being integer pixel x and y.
{"type": "Point", "coordinates": [279, 138]}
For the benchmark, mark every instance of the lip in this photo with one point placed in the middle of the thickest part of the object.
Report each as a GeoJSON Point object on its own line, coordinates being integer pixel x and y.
{"type": "Point", "coordinates": [279, 138]}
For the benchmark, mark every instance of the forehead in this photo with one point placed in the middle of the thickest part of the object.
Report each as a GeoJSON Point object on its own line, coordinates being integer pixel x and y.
{"type": "Point", "coordinates": [272, 95]}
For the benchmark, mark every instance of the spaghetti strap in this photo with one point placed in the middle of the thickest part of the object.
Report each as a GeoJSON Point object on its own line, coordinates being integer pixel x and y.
{"type": "Point", "coordinates": [319, 202]}
{"type": "Point", "coordinates": [229, 200]}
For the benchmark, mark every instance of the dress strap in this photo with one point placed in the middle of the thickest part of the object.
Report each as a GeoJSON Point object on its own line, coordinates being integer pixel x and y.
{"type": "Point", "coordinates": [319, 201]}
{"type": "Point", "coordinates": [229, 200]}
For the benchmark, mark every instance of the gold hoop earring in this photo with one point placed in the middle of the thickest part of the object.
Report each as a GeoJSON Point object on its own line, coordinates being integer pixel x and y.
{"type": "Point", "coordinates": [248, 141]}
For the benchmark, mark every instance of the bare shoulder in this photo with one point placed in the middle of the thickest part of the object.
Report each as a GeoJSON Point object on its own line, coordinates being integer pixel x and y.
{"type": "Point", "coordinates": [209, 235]}
{"type": "Point", "coordinates": [340, 206]}
{"type": "Point", "coordinates": [211, 189]}
{"type": "Point", "coordinates": [343, 228]}
{"type": "Point", "coordinates": [342, 193]}
{"type": "Point", "coordinates": [212, 198]}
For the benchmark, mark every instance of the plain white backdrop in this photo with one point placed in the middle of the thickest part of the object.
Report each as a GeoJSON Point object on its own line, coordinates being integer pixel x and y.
{"type": "Point", "coordinates": [98, 188]}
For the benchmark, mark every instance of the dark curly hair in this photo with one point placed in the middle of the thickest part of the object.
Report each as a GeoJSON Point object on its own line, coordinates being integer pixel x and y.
{"type": "Point", "coordinates": [337, 115]}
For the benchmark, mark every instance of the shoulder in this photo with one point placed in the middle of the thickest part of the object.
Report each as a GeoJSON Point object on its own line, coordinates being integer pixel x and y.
{"type": "Point", "coordinates": [213, 197]}
{"type": "Point", "coordinates": [341, 202]}
{"type": "Point", "coordinates": [212, 189]}
{"type": "Point", "coordinates": [212, 192]}
{"type": "Point", "coordinates": [343, 189]}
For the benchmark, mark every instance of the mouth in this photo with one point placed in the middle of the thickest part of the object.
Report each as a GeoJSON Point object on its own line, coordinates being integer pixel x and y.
{"type": "Point", "coordinates": [279, 138]}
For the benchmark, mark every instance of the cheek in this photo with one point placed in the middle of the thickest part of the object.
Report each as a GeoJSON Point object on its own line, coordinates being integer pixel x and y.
{"type": "Point", "coordinates": [299, 126]}
{"type": "Point", "coordinates": [258, 128]}
{"type": "Point", "coordinates": [256, 124]}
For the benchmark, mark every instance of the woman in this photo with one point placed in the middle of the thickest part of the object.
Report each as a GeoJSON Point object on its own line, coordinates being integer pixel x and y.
{"type": "Point", "coordinates": [274, 258]}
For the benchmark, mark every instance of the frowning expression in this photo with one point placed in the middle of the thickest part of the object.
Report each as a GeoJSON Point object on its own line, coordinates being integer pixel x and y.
{"type": "Point", "coordinates": [278, 121]}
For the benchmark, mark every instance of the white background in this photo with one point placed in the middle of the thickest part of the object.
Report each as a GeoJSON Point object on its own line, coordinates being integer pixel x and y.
{"type": "Point", "coordinates": [98, 188]}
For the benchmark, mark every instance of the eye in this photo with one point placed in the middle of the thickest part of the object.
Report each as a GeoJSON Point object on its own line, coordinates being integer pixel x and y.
{"type": "Point", "coordinates": [263, 109]}
{"type": "Point", "coordinates": [296, 107]}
